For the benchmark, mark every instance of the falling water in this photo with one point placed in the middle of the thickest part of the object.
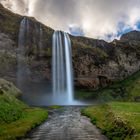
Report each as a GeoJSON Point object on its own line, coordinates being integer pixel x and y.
{"type": "Point", "coordinates": [39, 93]}
{"type": "Point", "coordinates": [62, 67]}
{"type": "Point", "coordinates": [40, 40]}
{"type": "Point", "coordinates": [22, 68]}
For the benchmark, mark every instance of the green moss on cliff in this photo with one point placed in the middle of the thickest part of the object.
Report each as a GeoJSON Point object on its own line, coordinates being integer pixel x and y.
{"type": "Point", "coordinates": [125, 90]}
{"type": "Point", "coordinates": [128, 89]}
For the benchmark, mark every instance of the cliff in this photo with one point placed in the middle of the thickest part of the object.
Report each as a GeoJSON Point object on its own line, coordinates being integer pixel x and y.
{"type": "Point", "coordinates": [96, 63]}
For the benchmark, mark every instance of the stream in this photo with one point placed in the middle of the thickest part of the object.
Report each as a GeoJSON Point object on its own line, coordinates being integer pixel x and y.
{"type": "Point", "coordinates": [66, 123]}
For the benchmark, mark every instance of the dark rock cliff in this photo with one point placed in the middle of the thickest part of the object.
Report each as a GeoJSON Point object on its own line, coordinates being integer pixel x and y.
{"type": "Point", "coordinates": [96, 63]}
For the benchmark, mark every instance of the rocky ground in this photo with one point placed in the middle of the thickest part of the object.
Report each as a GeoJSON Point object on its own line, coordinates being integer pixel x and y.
{"type": "Point", "coordinates": [66, 124]}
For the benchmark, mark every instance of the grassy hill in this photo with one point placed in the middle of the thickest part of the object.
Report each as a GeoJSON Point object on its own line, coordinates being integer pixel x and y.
{"type": "Point", "coordinates": [16, 118]}
{"type": "Point", "coordinates": [117, 120]}
{"type": "Point", "coordinates": [125, 90]}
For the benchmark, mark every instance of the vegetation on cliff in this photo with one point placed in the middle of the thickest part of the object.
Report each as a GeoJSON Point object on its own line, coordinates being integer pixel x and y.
{"type": "Point", "coordinates": [125, 90]}
{"type": "Point", "coordinates": [16, 118]}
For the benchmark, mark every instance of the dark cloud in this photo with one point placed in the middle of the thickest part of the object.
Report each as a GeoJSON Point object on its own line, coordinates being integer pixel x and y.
{"type": "Point", "coordinates": [57, 12]}
{"type": "Point", "coordinates": [18, 6]}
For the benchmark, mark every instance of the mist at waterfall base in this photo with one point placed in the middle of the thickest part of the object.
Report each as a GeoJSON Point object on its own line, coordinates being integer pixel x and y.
{"type": "Point", "coordinates": [43, 93]}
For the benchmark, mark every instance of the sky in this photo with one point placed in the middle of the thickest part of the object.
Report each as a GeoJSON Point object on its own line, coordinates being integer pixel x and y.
{"type": "Point", "coordinates": [101, 19]}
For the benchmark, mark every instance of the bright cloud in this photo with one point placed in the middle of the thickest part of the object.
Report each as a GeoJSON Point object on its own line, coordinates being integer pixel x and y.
{"type": "Point", "coordinates": [103, 19]}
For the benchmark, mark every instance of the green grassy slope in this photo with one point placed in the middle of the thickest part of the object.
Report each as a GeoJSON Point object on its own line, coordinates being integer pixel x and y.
{"type": "Point", "coordinates": [16, 118]}
{"type": "Point", "coordinates": [117, 120]}
{"type": "Point", "coordinates": [126, 90]}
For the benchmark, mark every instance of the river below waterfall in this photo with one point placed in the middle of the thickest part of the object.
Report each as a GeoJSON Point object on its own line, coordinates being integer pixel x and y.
{"type": "Point", "coordinates": [66, 124]}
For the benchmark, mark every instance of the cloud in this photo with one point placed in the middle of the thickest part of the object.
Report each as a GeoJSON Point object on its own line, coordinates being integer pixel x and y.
{"type": "Point", "coordinates": [15, 5]}
{"type": "Point", "coordinates": [93, 18]}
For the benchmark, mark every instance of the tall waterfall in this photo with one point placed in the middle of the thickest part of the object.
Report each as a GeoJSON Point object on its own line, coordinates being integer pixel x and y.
{"type": "Point", "coordinates": [39, 93]}
{"type": "Point", "coordinates": [22, 68]}
{"type": "Point", "coordinates": [62, 66]}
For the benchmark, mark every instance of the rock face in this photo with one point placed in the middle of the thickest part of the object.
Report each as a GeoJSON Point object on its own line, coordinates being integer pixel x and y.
{"type": "Point", "coordinates": [39, 61]}
{"type": "Point", "coordinates": [8, 88]}
{"type": "Point", "coordinates": [134, 35]}
{"type": "Point", "coordinates": [7, 57]}
{"type": "Point", "coordinates": [96, 63]}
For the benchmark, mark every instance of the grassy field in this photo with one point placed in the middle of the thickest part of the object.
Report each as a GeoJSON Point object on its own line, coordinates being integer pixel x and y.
{"type": "Point", "coordinates": [117, 120]}
{"type": "Point", "coordinates": [16, 118]}
{"type": "Point", "coordinates": [54, 107]}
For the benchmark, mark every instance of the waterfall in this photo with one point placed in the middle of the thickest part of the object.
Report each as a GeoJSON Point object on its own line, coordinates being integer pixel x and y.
{"type": "Point", "coordinates": [40, 40]}
{"type": "Point", "coordinates": [22, 68]}
{"type": "Point", "coordinates": [62, 66]}
{"type": "Point", "coordinates": [39, 93]}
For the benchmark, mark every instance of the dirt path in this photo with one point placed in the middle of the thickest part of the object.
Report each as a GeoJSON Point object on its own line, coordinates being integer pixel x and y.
{"type": "Point", "coordinates": [66, 124]}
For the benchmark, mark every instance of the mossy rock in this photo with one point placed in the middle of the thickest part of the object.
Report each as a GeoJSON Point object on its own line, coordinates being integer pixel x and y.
{"type": "Point", "coordinates": [8, 88]}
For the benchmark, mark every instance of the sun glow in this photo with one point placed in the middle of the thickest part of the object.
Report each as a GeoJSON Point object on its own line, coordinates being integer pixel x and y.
{"type": "Point", "coordinates": [86, 25]}
{"type": "Point", "coordinates": [31, 7]}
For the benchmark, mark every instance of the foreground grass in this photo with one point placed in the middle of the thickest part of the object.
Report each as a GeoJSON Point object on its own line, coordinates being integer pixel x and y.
{"type": "Point", "coordinates": [54, 107]}
{"type": "Point", "coordinates": [19, 128]}
{"type": "Point", "coordinates": [16, 118]}
{"type": "Point", "coordinates": [117, 120]}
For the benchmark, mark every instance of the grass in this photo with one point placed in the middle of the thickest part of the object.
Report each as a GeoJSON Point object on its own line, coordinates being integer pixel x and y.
{"type": "Point", "coordinates": [128, 89]}
{"type": "Point", "coordinates": [55, 107]}
{"type": "Point", "coordinates": [82, 94]}
{"type": "Point", "coordinates": [19, 128]}
{"type": "Point", "coordinates": [16, 118]}
{"type": "Point", "coordinates": [128, 111]}
{"type": "Point", "coordinates": [125, 90]}
{"type": "Point", "coordinates": [8, 88]}
{"type": "Point", "coordinates": [131, 85]}
{"type": "Point", "coordinates": [117, 120]}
